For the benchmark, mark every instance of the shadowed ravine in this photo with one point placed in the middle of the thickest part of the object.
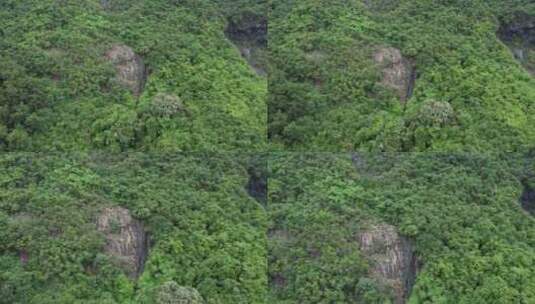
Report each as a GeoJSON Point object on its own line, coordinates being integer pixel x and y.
{"type": "Point", "coordinates": [249, 34]}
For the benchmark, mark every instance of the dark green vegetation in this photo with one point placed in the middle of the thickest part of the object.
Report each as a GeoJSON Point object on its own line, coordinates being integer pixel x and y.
{"type": "Point", "coordinates": [470, 94]}
{"type": "Point", "coordinates": [57, 90]}
{"type": "Point", "coordinates": [205, 231]}
{"type": "Point", "coordinates": [461, 211]}
{"type": "Point", "coordinates": [103, 89]}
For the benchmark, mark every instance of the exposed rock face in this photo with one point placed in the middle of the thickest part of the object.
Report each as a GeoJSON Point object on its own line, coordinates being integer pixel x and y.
{"type": "Point", "coordinates": [397, 72]}
{"type": "Point", "coordinates": [249, 34]}
{"type": "Point", "coordinates": [519, 35]}
{"type": "Point", "coordinates": [393, 262]}
{"type": "Point", "coordinates": [522, 27]}
{"type": "Point", "coordinates": [257, 185]}
{"type": "Point", "coordinates": [527, 199]}
{"type": "Point", "coordinates": [126, 239]}
{"type": "Point", "coordinates": [131, 71]}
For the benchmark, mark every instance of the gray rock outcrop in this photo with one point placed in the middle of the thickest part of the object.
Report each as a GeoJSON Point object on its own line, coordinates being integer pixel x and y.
{"type": "Point", "coordinates": [126, 239]}
{"type": "Point", "coordinates": [397, 72]}
{"type": "Point", "coordinates": [131, 71]}
{"type": "Point", "coordinates": [393, 262]}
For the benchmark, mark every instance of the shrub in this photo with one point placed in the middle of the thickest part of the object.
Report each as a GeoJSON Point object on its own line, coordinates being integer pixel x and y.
{"type": "Point", "coordinates": [166, 105]}
{"type": "Point", "coordinates": [436, 113]}
{"type": "Point", "coordinates": [172, 293]}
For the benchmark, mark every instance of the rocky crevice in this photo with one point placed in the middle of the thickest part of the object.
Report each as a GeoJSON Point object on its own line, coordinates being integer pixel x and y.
{"type": "Point", "coordinates": [527, 199]}
{"type": "Point", "coordinates": [126, 239]}
{"type": "Point", "coordinates": [257, 185]}
{"type": "Point", "coordinates": [519, 35]}
{"type": "Point", "coordinates": [249, 34]}
{"type": "Point", "coordinates": [130, 68]}
{"type": "Point", "coordinates": [397, 72]}
{"type": "Point", "coordinates": [393, 262]}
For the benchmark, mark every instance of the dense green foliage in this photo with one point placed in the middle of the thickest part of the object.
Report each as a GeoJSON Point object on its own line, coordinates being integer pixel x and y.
{"type": "Point", "coordinates": [324, 93]}
{"type": "Point", "coordinates": [461, 210]}
{"type": "Point", "coordinates": [187, 154]}
{"type": "Point", "coordinates": [57, 90]}
{"type": "Point", "coordinates": [206, 231]}
{"type": "Point", "coordinates": [313, 254]}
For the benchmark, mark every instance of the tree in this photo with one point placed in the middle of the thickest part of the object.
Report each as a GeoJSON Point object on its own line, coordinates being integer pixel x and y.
{"type": "Point", "coordinates": [172, 293]}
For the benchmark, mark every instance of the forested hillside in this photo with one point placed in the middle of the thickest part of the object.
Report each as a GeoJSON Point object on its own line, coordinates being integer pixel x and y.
{"type": "Point", "coordinates": [459, 220]}
{"type": "Point", "coordinates": [175, 82]}
{"type": "Point", "coordinates": [203, 229]}
{"type": "Point", "coordinates": [461, 228]}
{"type": "Point", "coordinates": [267, 151]}
{"type": "Point", "coordinates": [381, 75]}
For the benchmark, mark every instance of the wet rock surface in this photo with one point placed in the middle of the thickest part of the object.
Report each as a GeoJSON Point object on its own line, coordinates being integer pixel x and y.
{"type": "Point", "coordinates": [249, 34]}
{"type": "Point", "coordinates": [527, 199]}
{"type": "Point", "coordinates": [522, 27]}
{"type": "Point", "coordinates": [131, 71]}
{"type": "Point", "coordinates": [126, 239]}
{"type": "Point", "coordinates": [519, 35]}
{"type": "Point", "coordinates": [257, 185]}
{"type": "Point", "coordinates": [392, 259]}
{"type": "Point", "coordinates": [397, 72]}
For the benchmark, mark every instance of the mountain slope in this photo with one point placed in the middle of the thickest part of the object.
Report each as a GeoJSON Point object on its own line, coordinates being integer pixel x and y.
{"type": "Point", "coordinates": [59, 91]}
{"type": "Point", "coordinates": [328, 92]}
{"type": "Point", "coordinates": [204, 231]}
{"type": "Point", "coordinates": [459, 215]}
